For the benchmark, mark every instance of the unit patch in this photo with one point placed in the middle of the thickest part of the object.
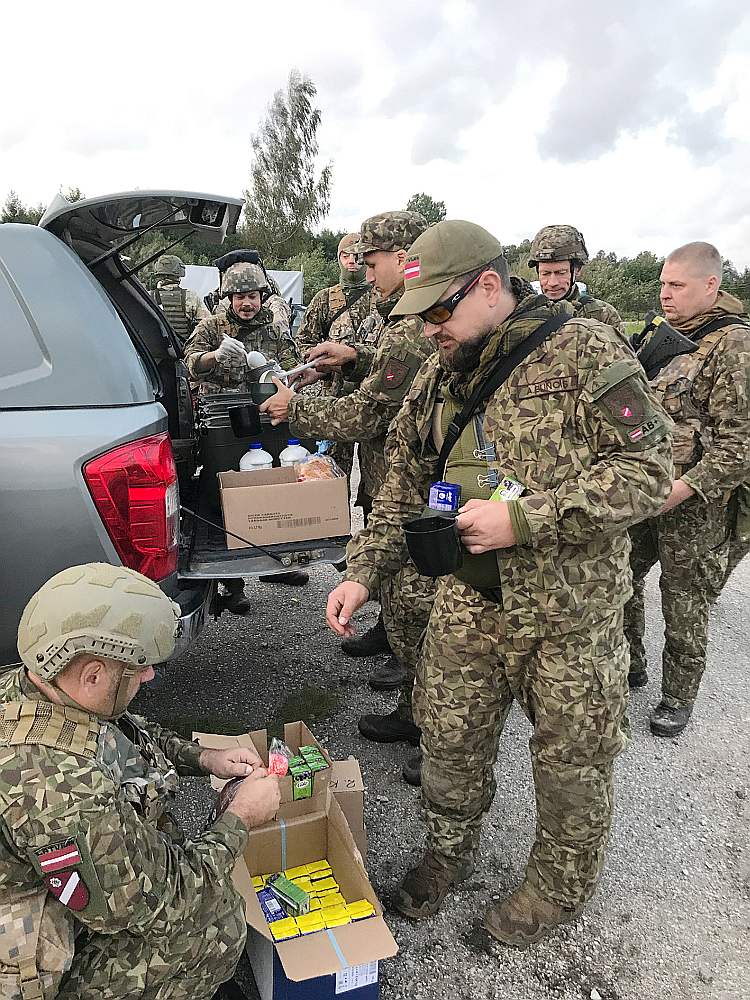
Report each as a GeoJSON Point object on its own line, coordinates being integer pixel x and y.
{"type": "Point", "coordinates": [412, 269]}
{"type": "Point", "coordinates": [627, 403]}
{"type": "Point", "coordinates": [395, 373]}
{"type": "Point", "coordinates": [561, 383]}
{"type": "Point", "coordinates": [59, 864]}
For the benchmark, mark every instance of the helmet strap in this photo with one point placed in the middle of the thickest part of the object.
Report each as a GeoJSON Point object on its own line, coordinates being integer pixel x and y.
{"type": "Point", "coordinates": [121, 700]}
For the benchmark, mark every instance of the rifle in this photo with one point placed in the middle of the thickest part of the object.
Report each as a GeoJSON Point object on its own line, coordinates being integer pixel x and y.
{"type": "Point", "coordinates": [664, 344]}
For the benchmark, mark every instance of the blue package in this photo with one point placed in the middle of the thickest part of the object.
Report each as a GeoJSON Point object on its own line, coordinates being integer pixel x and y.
{"type": "Point", "coordinates": [272, 908]}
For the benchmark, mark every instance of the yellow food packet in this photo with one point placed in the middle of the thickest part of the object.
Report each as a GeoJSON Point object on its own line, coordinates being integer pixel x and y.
{"type": "Point", "coordinates": [310, 922]}
{"type": "Point", "coordinates": [303, 882]}
{"type": "Point", "coordinates": [259, 881]}
{"type": "Point", "coordinates": [294, 873]}
{"type": "Point", "coordinates": [360, 909]}
{"type": "Point", "coordinates": [332, 899]}
{"type": "Point", "coordinates": [323, 885]}
{"type": "Point", "coordinates": [317, 866]}
{"type": "Point", "coordinates": [336, 921]}
{"type": "Point", "coordinates": [283, 929]}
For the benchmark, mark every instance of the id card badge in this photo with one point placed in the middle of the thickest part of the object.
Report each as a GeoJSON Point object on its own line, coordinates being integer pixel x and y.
{"type": "Point", "coordinates": [508, 489]}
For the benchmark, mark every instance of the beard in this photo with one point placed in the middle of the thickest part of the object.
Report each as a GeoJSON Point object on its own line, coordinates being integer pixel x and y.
{"type": "Point", "coordinates": [465, 356]}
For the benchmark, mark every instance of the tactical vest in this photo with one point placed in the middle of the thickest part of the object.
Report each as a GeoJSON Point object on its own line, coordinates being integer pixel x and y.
{"type": "Point", "coordinates": [674, 387]}
{"type": "Point", "coordinates": [172, 300]}
{"type": "Point", "coordinates": [467, 466]}
{"type": "Point", "coordinates": [38, 945]}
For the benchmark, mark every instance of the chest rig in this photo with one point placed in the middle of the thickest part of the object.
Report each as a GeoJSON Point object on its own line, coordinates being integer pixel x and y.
{"type": "Point", "coordinates": [172, 300]}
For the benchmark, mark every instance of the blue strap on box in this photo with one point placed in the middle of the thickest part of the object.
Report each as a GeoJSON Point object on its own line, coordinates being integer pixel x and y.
{"type": "Point", "coordinates": [337, 948]}
{"type": "Point", "coordinates": [282, 826]}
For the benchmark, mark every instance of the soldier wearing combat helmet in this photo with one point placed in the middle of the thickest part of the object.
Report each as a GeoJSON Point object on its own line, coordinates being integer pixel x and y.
{"type": "Point", "coordinates": [97, 884]}
{"type": "Point", "coordinates": [558, 253]}
{"type": "Point", "coordinates": [182, 307]}
{"type": "Point", "coordinates": [546, 422]}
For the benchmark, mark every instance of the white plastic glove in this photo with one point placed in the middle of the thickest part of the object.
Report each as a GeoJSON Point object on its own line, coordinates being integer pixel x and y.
{"type": "Point", "coordinates": [230, 350]}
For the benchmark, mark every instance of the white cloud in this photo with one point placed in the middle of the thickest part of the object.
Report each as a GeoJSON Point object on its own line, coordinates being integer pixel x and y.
{"type": "Point", "coordinates": [628, 122]}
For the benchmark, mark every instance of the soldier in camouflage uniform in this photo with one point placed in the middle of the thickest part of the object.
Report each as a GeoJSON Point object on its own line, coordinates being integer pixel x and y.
{"type": "Point", "coordinates": [384, 374]}
{"type": "Point", "coordinates": [182, 307]}
{"type": "Point", "coordinates": [281, 313]}
{"type": "Point", "coordinates": [707, 394]}
{"type": "Point", "coordinates": [338, 314]}
{"type": "Point", "coordinates": [101, 896]}
{"type": "Point", "coordinates": [216, 354]}
{"type": "Point", "coordinates": [558, 253]}
{"type": "Point", "coordinates": [569, 452]}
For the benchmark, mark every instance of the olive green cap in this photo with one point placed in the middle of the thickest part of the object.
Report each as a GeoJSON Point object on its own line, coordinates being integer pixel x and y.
{"type": "Point", "coordinates": [446, 251]}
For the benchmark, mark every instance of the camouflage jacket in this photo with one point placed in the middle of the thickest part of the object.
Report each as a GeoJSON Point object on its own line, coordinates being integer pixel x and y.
{"type": "Point", "coordinates": [707, 394]}
{"type": "Point", "coordinates": [578, 428]}
{"type": "Point", "coordinates": [587, 307]}
{"type": "Point", "coordinates": [281, 314]}
{"type": "Point", "coordinates": [366, 413]}
{"type": "Point", "coordinates": [257, 335]}
{"type": "Point", "coordinates": [105, 799]}
{"type": "Point", "coordinates": [349, 326]}
{"type": "Point", "coordinates": [368, 337]}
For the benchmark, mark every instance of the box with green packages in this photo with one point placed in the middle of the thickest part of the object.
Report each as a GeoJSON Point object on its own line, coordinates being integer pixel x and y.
{"type": "Point", "coordinates": [302, 782]}
{"type": "Point", "coordinates": [295, 901]}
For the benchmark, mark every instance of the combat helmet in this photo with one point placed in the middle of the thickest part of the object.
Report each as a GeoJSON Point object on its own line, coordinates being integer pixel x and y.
{"type": "Point", "coordinates": [96, 608]}
{"type": "Point", "coordinates": [558, 243]}
{"type": "Point", "coordinates": [243, 278]}
{"type": "Point", "coordinates": [169, 266]}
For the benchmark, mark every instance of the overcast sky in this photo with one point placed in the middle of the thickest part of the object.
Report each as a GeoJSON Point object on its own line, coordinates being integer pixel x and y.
{"type": "Point", "coordinates": [628, 120]}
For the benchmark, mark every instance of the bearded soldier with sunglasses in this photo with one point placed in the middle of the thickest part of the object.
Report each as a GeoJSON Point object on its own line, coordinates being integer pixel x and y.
{"type": "Point", "coordinates": [550, 429]}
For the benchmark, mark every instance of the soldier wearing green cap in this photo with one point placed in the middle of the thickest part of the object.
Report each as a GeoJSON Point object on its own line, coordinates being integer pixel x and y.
{"type": "Point", "coordinates": [101, 895]}
{"type": "Point", "coordinates": [182, 307]}
{"type": "Point", "coordinates": [384, 373]}
{"type": "Point", "coordinates": [562, 448]}
{"type": "Point", "coordinates": [558, 253]}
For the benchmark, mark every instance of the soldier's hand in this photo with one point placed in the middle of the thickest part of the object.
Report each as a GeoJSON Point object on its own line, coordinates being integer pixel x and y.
{"type": "Point", "coordinates": [230, 350]}
{"type": "Point", "coordinates": [347, 598]}
{"type": "Point", "coordinates": [277, 407]}
{"type": "Point", "coordinates": [331, 355]}
{"type": "Point", "coordinates": [680, 493]}
{"type": "Point", "coordinates": [234, 762]}
{"type": "Point", "coordinates": [485, 525]}
{"type": "Point", "coordinates": [257, 798]}
{"type": "Point", "coordinates": [308, 377]}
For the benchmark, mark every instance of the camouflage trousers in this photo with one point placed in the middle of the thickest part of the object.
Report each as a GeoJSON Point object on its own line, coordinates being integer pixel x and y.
{"type": "Point", "coordinates": [573, 689]}
{"type": "Point", "coordinates": [692, 544]}
{"type": "Point", "coordinates": [188, 964]}
{"type": "Point", "coordinates": [406, 600]}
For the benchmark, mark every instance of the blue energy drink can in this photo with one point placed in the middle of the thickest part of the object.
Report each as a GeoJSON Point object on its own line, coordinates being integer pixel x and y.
{"type": "Point", "coordinates": [445, 496]}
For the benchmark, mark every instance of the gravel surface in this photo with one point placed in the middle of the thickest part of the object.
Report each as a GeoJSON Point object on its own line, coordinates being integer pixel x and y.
{"type": "Point", "coordinates": [671, 917]}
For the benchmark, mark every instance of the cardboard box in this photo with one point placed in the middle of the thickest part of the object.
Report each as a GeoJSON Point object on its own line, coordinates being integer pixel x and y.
{"type": "Point", "coordinates": [349, 791]}
{"type": "Point", "coordinates": [269, 506]}
{"type": "Point", "coordinates": [296, 735]}
{"type": "Point", "coordinates": [329, 962]}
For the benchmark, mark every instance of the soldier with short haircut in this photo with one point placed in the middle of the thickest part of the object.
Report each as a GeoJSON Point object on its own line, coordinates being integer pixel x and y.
{"type": "Point", "coordinates": [101, 895]}
{"type": "Point", "coordinates": [384, 374]}
{"type": "Point", "coordinates": [704, 387]}
{"type": "Point", "coordinates": [181, 306]}
{"type": "Point", "coordinates": [558, 253]}
{"type": "Point", "coordinates": [546, 422]}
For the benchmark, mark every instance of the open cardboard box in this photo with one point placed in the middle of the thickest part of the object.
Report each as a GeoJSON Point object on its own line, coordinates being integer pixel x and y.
{"type": "Point", "coordinates": [269, 506]}
{"type": "Point", "coordinates": [296, 735]}
{"type": "Point", "coordinates": [349, 791]}
{"type": "Point", "coordinates": [328, 953]}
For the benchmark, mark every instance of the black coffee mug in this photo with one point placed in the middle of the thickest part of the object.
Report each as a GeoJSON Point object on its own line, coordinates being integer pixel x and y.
{"type": "Point", "coordinates": [245, 420]}
{"type": "Point", "coordinates": [261, 391]}
{"type": "Point", "coordinates": [434, 545]}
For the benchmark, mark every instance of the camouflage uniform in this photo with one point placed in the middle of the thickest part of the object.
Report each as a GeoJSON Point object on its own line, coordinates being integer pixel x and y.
{"type": "Point", "coordinates": [385, 373]}
{"type": "Point", "coordinates": [549, 634]}
{"type": "Point", "coordinates": [256, 334]}
{"type": "Point", "coordinates": [587, 307]}
{"type": "Point", "coordinates": [102, 896]}
{"type": "Point", "coordinates": [181, 306]}
{"type": "Point", "coordinates": [707, 395]}
{"type": "Point", "coordinates": [278, 308]}
{"type": "Point", "coordinates": [357, 299]}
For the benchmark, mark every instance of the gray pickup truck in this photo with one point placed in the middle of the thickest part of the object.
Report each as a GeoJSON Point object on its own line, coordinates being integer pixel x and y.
{"type": "Point", "coordinates": [100, 449]}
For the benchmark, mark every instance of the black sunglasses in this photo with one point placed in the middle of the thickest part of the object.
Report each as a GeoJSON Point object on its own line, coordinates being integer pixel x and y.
{"type": "Point", "coordinates": [441, 312]}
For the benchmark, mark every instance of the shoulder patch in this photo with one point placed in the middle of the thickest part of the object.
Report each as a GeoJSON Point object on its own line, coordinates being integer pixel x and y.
{"type": "Point", "coordinates": [395, 373]}
{"type": "Point", "coordinates": [60, 865]}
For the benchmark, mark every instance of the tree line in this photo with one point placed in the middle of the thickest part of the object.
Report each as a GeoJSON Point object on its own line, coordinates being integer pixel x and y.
{"type": "Point", "coordinates": [289, 197]}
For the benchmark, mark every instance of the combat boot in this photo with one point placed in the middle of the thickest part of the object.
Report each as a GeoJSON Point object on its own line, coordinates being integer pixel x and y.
{"type": "Point", "coordinates": [525, 917]}
{"type": "Point", "coordinates": [412, 770]}
{"type": "Point", "coordinates": [668, 721]}
{"type": "Point", "coordinates": [371, 643]}
{"type": "Point", "coordinates": [235, 600]}
{"type": "Point", "coordinates": [637, 678]}
{"type": "Point", "coordinates": [425, 887]}
{"type": "Point", "coordinates": [389, 677]}
{"type": "Point", "coordinates": [389, 728]}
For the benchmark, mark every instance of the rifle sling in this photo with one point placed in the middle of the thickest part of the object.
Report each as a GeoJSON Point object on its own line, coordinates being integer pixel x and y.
{"type": "Point", "coordinates": [355, 298]}
{"type": "Point", "coordinates": [496, 377]}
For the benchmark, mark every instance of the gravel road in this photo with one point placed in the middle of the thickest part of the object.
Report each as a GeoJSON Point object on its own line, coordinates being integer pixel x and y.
{"type": "Point", "coordinates": [671, 918]}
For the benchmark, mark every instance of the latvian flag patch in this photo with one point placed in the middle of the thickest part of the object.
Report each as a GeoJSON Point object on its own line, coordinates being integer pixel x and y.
{"type": "Point", "coordinates": [58, 863]}
{"type": "Point", "coordinates": [411, 269]}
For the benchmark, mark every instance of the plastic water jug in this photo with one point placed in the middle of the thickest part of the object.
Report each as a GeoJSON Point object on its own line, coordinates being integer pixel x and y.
{"type": "Point", "coordinates": [294, 452]}
{"type": "Point", "coordinates": [256, 458]}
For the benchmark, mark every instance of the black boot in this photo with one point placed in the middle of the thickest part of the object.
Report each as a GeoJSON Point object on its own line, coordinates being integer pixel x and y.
{"type": "Point", "coordinates": [235, 600]}
{"type": "Point", "coordinates": [294, 578]}
{"type": "Point", "coordinates": [637, 679]}
{"type": "Point", "coordinates": [389, 677]}
{"type": "Point", "coordinates": [389, 728]}
{"type": "Point", "coordinates": [412, 770]}
{"type": "Point", "coordinates": [370, 644]}
{"type": "Point", "coordinates": [668, 721]}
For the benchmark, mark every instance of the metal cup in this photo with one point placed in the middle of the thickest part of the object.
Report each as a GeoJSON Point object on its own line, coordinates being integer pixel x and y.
{"type": "Point", "coordinates": [434, 545]}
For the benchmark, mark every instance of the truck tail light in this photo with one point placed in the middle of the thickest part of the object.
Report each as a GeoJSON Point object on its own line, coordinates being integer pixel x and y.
{"type": "Point", "coordinates": [134, 487]}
